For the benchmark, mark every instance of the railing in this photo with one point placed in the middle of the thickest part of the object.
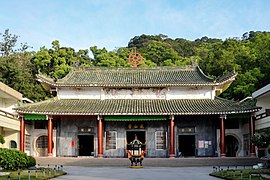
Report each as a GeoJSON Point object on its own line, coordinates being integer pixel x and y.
{"type": "Point", "coordinates": [263, 115]}
{"type": "Point", "coordinates": [7, 114]}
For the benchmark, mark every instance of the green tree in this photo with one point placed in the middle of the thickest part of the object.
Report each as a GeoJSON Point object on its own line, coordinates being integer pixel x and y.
{"type": "Point", "coordinates": [102, 57]}
{"type": "Point", "coordinates": [57, 61]}
{"type": "Point", "coordinates": [262, 138]}
{"type": "Point", "coordinates": [16, 69]}
{"type": "Point", "coordinates": [159, 52]}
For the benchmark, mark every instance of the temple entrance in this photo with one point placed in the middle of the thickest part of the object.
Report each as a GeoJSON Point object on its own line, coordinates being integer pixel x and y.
{"type": "Point", "coordinates": [140, 136]}
{"type": "Point", "coordinates": [186, 145]}
{"type": "Point", "coordinates": [86, 145]}
{"type": "Point", "coordinates": [232, 146]}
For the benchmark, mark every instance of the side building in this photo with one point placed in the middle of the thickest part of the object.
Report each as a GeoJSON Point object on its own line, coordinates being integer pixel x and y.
{"type": "Point", "coordinates": [262, 97]}
{"type": "Point", "coordinates": [9, 123]}
{"type": "Point", "coordinates": [174, 111]}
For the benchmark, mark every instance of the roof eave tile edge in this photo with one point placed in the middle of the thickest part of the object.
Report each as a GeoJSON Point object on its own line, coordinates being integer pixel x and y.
{"type": "Point", "coordinates": [135, 85]}
{"type": "Point", "coordinates": [186, 113]}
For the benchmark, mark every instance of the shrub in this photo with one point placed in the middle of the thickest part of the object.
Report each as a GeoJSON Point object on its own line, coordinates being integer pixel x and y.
{"type": "Point", "coordinates": [2, 140]}
{"type": "Point", "coordinates": [31, 161]}
{"type": "Point", "coordinates": [13, 159]}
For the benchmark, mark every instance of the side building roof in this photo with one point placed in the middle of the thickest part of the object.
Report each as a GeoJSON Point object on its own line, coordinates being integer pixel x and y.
{"type": "Point", "coordinates": [8, 92]}
{"type": "Point", "coordinates": [136, 77]}
{"type": "Point", "coordinates": [261, 92]}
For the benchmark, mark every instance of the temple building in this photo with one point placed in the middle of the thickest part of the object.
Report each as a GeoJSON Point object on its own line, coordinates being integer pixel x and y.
{"type": "Point", "coordinates": [173, 111]}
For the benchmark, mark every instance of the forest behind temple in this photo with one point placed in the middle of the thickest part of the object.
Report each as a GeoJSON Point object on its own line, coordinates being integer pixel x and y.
{"type": "Point", "coordinates": [248, 55]}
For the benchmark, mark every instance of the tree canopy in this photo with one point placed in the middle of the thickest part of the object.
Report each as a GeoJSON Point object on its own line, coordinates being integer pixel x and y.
{"type": "Point", "coordinates": [248, 55]}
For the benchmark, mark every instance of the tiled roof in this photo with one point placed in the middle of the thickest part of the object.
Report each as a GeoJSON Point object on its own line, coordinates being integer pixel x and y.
{"type": "Point", "coordinates": [136, 107]}
{"type": "Point", "coordinates": [136, 77]}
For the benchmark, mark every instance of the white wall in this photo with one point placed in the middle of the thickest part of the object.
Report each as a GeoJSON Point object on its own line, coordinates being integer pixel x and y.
{"type": "Point", "coordinates": [78, 93]}
{"type": "Point", "coordinates": [136, 93]}
{"type": "Point", "coordinates": [199, 92]}
{"type": "Point", "coordinates": [10, 123]}
{"type": "Point", "coordinates": [264, 102]}
{"type": "Point", "coordinates": [262, 123]}
{"type": "Point", "coordinates": [12, 136]}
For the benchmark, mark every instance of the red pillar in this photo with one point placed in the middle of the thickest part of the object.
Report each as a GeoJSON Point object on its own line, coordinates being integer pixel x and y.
{"type": "Point", "coordinates": [222, 137]}
{"type": "Point", "coordinates": [22, 134]}
{"type": "Point", "coordinates": [251, 132]}
{"type": "Point", "coordinates": [172, 140]}
{"type": "Point", "coordinates": [100, 137]}
{"type": "Point", "coordinates": [50, 136]}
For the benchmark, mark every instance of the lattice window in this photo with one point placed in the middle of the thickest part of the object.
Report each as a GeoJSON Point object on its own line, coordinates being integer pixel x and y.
{"type": "Point", "coordinates": [111, 140]}
{"type": "Point", "coordinates": [161, 139]}
{"type": "Point", "coordinates": [27, 143]}
{"type": "Point", "coordinates": [42, 142]}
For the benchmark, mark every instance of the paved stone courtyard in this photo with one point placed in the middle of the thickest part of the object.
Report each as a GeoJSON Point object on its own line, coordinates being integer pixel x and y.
{"type": "Point", "coordinates": [154, 168]}
{"type": "Point", "coordinates": [125, 173]}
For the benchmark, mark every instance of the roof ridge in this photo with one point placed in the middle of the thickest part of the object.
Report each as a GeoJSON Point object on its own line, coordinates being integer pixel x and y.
{"type": "Point", "coordinates": [187, 67]}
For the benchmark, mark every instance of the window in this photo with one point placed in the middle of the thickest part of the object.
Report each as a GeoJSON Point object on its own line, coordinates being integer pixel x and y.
{"type": "Point", "coordinates": [111, 138]}
{"type": "Point", "coordinates": [161, 139]}
{"type": "Point", "coordinates": [27, 143]}
{"type": "Point", "coordinates": [13, 144]}
{"type": "Point", "coordinates": [42, 142]}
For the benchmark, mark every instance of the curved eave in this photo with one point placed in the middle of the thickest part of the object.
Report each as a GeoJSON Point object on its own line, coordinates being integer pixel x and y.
{"type": "Point", "coordinates": [46, 82]}
{"type": "Point", "coordinates": [204, 75]}
{"type": "Point", "coordinates": [226, 79]}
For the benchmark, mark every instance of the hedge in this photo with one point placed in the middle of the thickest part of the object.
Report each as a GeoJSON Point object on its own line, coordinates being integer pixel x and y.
{"type": "Point", "coordinates": [11, 159]}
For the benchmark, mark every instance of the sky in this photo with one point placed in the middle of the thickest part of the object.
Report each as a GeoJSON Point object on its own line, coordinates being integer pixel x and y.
{"type": "Point", "coordinates": [81, 24]}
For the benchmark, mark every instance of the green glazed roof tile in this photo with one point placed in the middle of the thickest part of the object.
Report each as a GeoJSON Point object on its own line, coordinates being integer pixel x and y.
{"type": "Point", "coordinates": [135, 77]}
{"type": "Point", "coordinates": [136, 107]}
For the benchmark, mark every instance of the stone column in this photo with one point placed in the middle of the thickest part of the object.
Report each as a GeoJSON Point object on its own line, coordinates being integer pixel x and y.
{"type": "Point", "coordinates": [100, 137]}
{"type": "Point", "coordinates": [22, 133]}
{"type": "Point", "coordinates": [172, 139]}
{"type": "Point", "coordinates": [50, 136]}
{"type": "Point", "coordinates": [222, 136]}
{"type": "Point", "coordinates": [251, 132]}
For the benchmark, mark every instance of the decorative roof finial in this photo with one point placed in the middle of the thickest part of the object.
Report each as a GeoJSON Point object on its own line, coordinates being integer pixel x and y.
{"type": "Point", "coordinates": [135, 59]}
